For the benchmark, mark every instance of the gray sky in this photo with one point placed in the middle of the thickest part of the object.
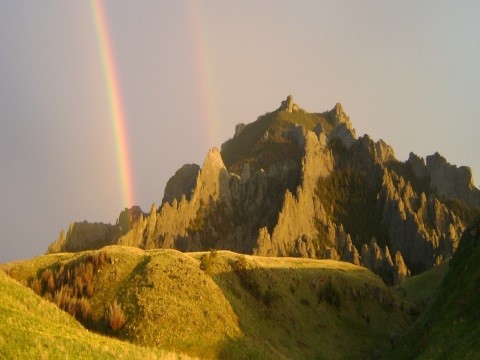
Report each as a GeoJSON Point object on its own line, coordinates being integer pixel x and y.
{"type": "Point", "coordinates": [407, 72]}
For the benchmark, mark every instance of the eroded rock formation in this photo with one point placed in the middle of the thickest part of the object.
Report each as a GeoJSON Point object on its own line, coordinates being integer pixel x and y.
{"type": "Point", "coordinates": [299, 184]}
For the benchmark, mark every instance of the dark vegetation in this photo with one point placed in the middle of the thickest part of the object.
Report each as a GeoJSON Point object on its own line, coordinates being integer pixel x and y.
{"type": "Point", "coordinates": [404, 170]}
{"type": "Point", "coordinates": [249, 281]}
{"type": "Point", "coordinates": [71, 287]}
{"type": "Point", "coordinates": [211, 224]}
{"type": "Point", "coordinates": [329, 293]}
{"type": "Point", "coordinates": [350, 200]}
{"type": "Point", "coordinates": [207, 262]}
{"type": "Point", "coordinates": [115, 317]}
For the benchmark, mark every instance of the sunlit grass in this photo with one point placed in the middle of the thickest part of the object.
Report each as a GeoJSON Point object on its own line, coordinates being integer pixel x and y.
{"type": "Point", "coordinates": [232, 306]}
{"type": "Point", "coordinates": [31, 327]}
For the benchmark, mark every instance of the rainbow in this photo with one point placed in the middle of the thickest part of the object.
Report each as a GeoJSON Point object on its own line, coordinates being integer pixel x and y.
{"type": "Point", "coordinates": [204, 72]}
{"type": "Point", "coordinates": [115, 103]}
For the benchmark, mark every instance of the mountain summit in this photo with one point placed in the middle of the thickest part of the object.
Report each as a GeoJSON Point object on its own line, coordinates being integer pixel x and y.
{"type": "Point", "coordinates": [302, 184]}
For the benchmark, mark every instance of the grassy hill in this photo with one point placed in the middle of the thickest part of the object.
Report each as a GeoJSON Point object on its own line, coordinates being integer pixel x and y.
{"type": "Point", "coordinates": [218, 305]}
{"type": "Point", "coordinates": [421, 290]}
{"type": "Point", "coordinates": [31, 327]}
{"type": "Point", "coordinates": [450, 327]}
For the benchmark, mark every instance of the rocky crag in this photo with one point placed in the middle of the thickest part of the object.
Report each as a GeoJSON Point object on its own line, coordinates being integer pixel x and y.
{"type": "Point", "coordinates": [302, 184]}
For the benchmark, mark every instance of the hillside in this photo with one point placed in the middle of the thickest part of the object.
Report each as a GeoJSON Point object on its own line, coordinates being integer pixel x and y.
{"type": "Point", "coordinates": [421, 290]}
{"type": "Point", "coordinates": [224, 305]}
{"type": "Point", "coordinates": [450, 327]}
{"type": "Point", "coordinates": [300, 184]}
{"type": "Point", "coordinates": [31, 327]}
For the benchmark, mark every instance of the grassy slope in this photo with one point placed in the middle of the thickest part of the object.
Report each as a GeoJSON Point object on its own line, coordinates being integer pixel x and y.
{"type": "Point", "coordinates": [450, 327]}
{"type": "Point", "coordinates": [422, 289]}
{"type": "Point", "coordinates": [296, 324]}
{"type": "Point", "coordinates": [31, 327]}
{"type": "Point", "coordinates": [171, 303]}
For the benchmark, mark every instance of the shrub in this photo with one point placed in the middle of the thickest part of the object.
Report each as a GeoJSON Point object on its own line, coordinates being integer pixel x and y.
{"type": "Point", "coordinates": [247, 278]}
{"type": "Point", "coordinates": [90, 289]}
{"type": "Point", "coordinates": [305, 302]}
{"type": "Point", "coordinates": [89, 273]}
{"type": "Point", "coordinates": [84, 309]}
{"type": "Point", "coordinates": [329, 293]}
{"type": "Point", "coordinates": [48, 281]}
{"type": "Point", "coordinates": [269, 297]}
{"type": "Point", "coordinates": [36, 286]}
{"type": "Point", "coordinates": [115, 317]}
{"type": "Point", "coordinates": [78, 286]}
{"type": "Point", "coordinates": [206, 261]}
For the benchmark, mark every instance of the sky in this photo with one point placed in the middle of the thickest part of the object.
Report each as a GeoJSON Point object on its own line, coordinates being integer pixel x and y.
{"type": "Point", "coordinates": [184, 73]}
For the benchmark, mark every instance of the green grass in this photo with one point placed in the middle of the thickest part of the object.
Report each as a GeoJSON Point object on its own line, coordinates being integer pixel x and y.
{"type": "Point", "coordinates": [237, 307]}
{"type": "Point", "coordinates": [422, 289]}
{"type": "Point", "coordinates": [31, 327]}
{"type": "Point", "coordinates": [450, 327]}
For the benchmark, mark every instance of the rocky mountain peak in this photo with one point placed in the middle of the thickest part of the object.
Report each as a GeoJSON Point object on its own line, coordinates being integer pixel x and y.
{"type": "Point", "coordinates": [288, 105]}
{"type": "Point", "coordinates": [181, 183]}
{"type": "Point", "coordinates": [340, 116]}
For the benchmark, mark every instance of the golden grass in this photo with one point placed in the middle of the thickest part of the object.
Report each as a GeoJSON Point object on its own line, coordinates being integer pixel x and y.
{"type": "Point", "coordinates": [31, 327]}
{"type": "Point", "coordinates": [274, 309]}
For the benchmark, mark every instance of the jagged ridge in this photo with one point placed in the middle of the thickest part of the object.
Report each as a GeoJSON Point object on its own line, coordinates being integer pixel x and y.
{"type": "Point", "coordinates": [264, 194]}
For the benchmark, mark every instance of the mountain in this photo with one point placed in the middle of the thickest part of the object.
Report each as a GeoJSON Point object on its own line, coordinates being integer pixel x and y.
{"type": "Point", "coordinates": [450, 327]}
{"type": "Point", "coordinates": [217, 305]}
{"type": "Point", "coordinates": [302, 184]}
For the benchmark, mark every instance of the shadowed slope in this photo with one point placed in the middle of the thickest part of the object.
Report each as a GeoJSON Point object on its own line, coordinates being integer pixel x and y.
{"type": "Point", "coordinates": [450, 327]}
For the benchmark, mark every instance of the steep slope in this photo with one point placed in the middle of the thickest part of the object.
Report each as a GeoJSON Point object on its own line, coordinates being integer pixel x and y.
{"type": "Point", "coordinates": [421, 290]}
{"type": "Point", "coordinates": [31, 327]}
{"type": "Point", "coordinates": [450, 328]}
{"type": "Point", "coordinates": [226, 305]}
{"type": "Point", "coordinates": [302, 184]}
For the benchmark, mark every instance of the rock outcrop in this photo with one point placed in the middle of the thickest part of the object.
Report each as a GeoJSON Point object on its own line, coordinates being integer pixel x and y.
{"type": "Point", "coordinates": [288, 105]}
{"type": "Point", "coordinates": [82, 236]}
{"type": "Point", "coordinates": [182, 183]}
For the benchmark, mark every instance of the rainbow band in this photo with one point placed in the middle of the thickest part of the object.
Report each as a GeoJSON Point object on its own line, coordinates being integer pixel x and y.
{"type": "Point", "coordinates": [204, 72]}
{"type": "Point", "coordinates": [114, 98]}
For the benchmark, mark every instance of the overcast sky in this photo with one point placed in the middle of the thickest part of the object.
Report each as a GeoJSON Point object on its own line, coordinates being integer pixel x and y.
{"type": "Point", "coordinates": [406, 72]}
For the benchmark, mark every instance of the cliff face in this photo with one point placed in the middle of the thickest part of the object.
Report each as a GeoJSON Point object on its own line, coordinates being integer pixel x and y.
{"type": "Point", "coordinates": [299, 184]}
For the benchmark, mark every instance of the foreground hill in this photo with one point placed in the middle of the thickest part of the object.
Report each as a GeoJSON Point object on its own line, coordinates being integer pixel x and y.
{"type": "Point", "coordinates": [221, 304]}
{"type": "Point", "coordinates": [300, 184]}
{"type": "Point", "coordinates": [450, 327]}
{"type": "Point", "coordinates": [31, 327]}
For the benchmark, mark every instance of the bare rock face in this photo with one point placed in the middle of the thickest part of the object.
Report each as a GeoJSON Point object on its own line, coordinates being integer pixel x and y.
{"type": "Point", "coordinates": [400, 270]}
{"type": "Point", "coordinates": [343, 129]}
{"type": "Point", "coordinates": [85, 236]}
{"type": "Point", "coordinates": [417, 164]}
{"type": "Point", "coordinates": [238, 129]}
{"type": "Point", "coordinates": [297, 217]}
{"type": "Point", "coordinates": [181, 184]}
{"type": "Point", "coordinates": [288, 105]}
{"type": "Point", "coordinates": [423, 230]}
{"type": "Point", "coordinates": [384, 152]}
{"type": "Point", "coordinates": [451, 181]}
